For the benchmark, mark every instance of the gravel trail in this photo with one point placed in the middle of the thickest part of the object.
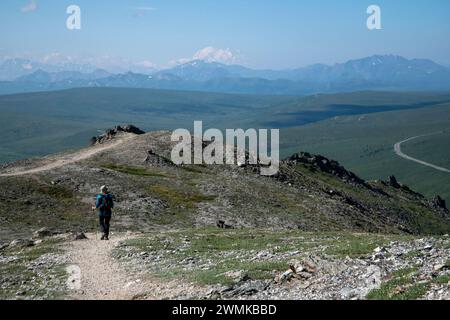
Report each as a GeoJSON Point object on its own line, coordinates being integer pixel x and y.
{"type": "Point", "coordinates": [398, 151]}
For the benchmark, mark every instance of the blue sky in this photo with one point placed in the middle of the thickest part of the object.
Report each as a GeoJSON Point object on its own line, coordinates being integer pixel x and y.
{"type": "Point", "coordinates": [255, 33]}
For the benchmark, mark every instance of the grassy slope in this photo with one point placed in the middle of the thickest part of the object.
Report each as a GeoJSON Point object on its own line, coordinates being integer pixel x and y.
{"type": "Point", "coordinates": [433, 149]}
{"type": "Point", "coordinates": [36, 124]}
{"type": "Point", "coordinates": [25, 274]}
{"type": "Point", "coordinates": [364, 144]}
{"type": "Point", "coordinates": [232, 250]}
{"type": "Point", "coordinates": [40, 123]}
{"type": "Point", "coordinates": [179, 197]}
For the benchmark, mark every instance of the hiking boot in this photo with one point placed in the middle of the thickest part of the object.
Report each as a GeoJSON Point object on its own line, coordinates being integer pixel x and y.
{"type": "Point", "coordinates": [106, 237]}
{"type": "Point", "coordinates": [103, 237]}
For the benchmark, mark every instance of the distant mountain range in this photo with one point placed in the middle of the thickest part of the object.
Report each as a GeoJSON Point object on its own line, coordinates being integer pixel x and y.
{"type": "Point", "coordinates": [378, 72]}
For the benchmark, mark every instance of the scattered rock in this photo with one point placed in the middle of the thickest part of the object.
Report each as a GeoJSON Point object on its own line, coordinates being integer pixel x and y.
{"type": "Point", "coordinates": [349, 293]}
{"type": "Point", "coordinates": [379, 250]}
{"type": "Point", "coordinates": [80, 236]}
{"type": "Point", "coordinates": [297, 270]}
{"type": "Point", "coordinates": [222, 225]}
{"type": "Point", "coordinates": [247, 288]}
{"type": "Point", "coordinates": [440, 267]}
{"type": "Point", "coordinates": [238, 276]}
{"type": "Point", "coordinates": [42, 233]}
{"type": "Point", "coordinates": [304, 275]}
{"type": "Point", "coordinates": [309, 266]}
{"type": "Point", "coordinates": [155, 159]}
{"type": "Point", "coordinates": [285, 276]}
{"type": "Point", "coordinates": [21, 243]}
{"type": "Point", "coordinates": [304, 285]}
{"type": "Point", "coordinates": [325, 165]}
{"type": "Point", "coordinates": [296, 266]}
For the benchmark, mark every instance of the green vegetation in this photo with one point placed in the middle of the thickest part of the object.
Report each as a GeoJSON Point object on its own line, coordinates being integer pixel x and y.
{"type": "Point", "coordinates": [358, 129]}
{"type": "Point", "coordinates": [401, 286]}
{"type": "Point", "coordinates": [430, 148]}
{"type": "Point", "coordinates": [170, 194]}
{"type": "Point", "coordinates": [442, 279]}
{"type": "Point", "coordinates": [41, 285]}
{"type": "Point", "coordinates": [364, 145]}
{"type": "Point", "coordinates": [224, 251]}
{"type": "Point", "coordinates": [29, 204]}
{"type": "Point", "coordinates": [37, 124]}
{"type": "Point", "coordinates": [420, 217]}
{"type": "Point", "coordinates": [144, 172]}
{"type": "Point", "coordinates": [179, 198]}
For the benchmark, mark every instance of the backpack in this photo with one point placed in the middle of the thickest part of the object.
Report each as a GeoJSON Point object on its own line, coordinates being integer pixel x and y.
{"type": "Point", "coordinates": [106, 202]}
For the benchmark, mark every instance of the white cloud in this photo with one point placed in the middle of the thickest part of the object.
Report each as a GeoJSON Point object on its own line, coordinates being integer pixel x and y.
{"type": "Point", "coordinates": [146, 64]}
{"type": "Point", "coordinates": [30, 7]}
{"type": "Point", "coordinates": [173, 63]}
{"type": "Point", "coordinates": [211, 54]}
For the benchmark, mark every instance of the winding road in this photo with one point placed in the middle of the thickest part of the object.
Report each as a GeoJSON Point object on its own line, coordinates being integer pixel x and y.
{"type": "Point", "coordinates": [398, 151]}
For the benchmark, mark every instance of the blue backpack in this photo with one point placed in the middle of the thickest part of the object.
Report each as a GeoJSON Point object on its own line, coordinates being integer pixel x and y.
{"type": "Point", "coordinates": [105, 202]}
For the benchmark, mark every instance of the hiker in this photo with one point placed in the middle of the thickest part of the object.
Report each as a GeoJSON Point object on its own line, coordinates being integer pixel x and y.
{"type": "Point", "coordinates": [104, 204]}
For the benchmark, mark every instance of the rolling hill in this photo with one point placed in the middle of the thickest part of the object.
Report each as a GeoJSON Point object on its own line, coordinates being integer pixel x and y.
{"type": "Point", "coordinates": [358, 129]}
{"type": "Point", "coordinates": [310, 193]}
{"type": "Point", "coordinates": [365, 144]}
{"type": "Point", "coordinates": [35, 124]}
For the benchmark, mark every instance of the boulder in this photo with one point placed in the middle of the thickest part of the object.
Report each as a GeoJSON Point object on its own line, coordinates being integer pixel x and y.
{"type": "Point", "coordinates": [222, 225]}
{"type": "Point", "coordinates": [394, 183]}
{"type": "Point", "coordinates": [155, 159]}
{"type": "Point", "coordinates": [80, 236]}
{"type": "Point", "coordinates": [237, 276]}
{"type": "Point", "coordinates": [21, 243]}
{"type": "Point", "coordinates": [130, 129]}
{"type": "Point", "coordinates": [246, 288]}
{"type": "Point", "coordinates": [439, 203]}
{"type": "Point", "coordinates": [42, 233]}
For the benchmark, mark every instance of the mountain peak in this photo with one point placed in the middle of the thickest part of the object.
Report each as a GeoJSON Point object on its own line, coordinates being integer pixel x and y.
{"type": "Point", "coordinates": [376, 72]}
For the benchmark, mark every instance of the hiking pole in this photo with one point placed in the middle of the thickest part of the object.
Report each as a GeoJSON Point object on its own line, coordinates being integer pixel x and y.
{"type": "Point", "coordinates": [95, 225]}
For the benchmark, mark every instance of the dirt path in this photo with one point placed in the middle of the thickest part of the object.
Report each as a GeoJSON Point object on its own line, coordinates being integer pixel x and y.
{"type": "Point", "coordinates": [398, 151]}
{"type": "Point", "coordinates": [105, 278]}
{"type": "Point", "coordinates": [60, 161]}
{"type": "Point", "coordinates": [102, 278]}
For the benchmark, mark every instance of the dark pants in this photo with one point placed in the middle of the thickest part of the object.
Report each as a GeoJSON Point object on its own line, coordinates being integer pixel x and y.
{"type": "Point", "coordinates": [104, 224]}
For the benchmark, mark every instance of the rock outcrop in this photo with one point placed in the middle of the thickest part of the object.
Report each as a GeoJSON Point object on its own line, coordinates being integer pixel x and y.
{"type": "Point", "coordinates": [439, 203]}
{"type": "Point", "coordinates": [42, 233]}
{"type": "Point", "coordinates": [325, 165]}
{"type": "Point", "coordinates": [111, 133]}
{"type": "Point", "coordinates": [394, 183]}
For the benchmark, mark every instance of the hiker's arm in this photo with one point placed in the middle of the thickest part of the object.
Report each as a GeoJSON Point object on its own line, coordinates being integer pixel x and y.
{"type": "Point", "coordinates": [97, 203]}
